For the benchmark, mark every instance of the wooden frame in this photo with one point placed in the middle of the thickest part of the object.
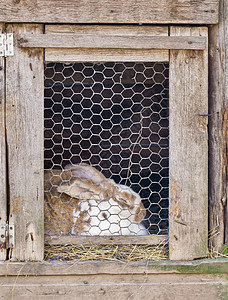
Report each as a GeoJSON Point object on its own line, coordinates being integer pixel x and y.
{"type": "Point", "coordinates": [3, 172]}
{"type": "Point", "coordinates": [218, 130]}
{"type": "Point", "coordinates": [188, 150]}
{"type": "Point", "coordinates": [79, 54]}
{"type": "Point", "coordinates": [188, 132]}
{"type": "Point", "coordinates": [167, 279]}
{"type": "Point", "coordinates": [198, 279]}
{"type": "Point", "coordinates": [103, 11]}
{"type": "Point", "coordinates": [24, 117]}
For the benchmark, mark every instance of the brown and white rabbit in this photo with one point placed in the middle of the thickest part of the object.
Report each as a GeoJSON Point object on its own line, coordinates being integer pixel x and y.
{"type": "Point", "coordinates": [80, 200]}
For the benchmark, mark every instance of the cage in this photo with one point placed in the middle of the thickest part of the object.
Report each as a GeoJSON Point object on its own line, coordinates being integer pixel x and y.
{"type": "Point", "coordinates": [114, 117]}
{"type": "Point", "coordinates": [42, 41]}
{"type": "Point", "coordinates": [116, 123]}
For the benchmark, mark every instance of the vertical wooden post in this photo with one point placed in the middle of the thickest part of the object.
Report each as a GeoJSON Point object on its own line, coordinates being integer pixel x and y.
{"type": "Point", "coordinates": [3, 194]}
{"type": "Point", "coordinates": [188, 150]}
{"type": "Point", "coordinates": [218, 130]}
{"type": "Point", "coordinates": [24, 122]}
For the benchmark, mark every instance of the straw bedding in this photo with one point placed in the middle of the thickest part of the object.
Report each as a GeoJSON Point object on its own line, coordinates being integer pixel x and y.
{"type": "Point", "coordinates": [124, 253]}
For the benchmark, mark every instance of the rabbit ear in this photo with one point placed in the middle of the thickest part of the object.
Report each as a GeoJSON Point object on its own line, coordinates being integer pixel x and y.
{"type": "Point", "coordinates": [84, 189]}
{"type": "Point", "coordinates": [87, 172]}
{"type": "Point", "coordinates": [75, 191]}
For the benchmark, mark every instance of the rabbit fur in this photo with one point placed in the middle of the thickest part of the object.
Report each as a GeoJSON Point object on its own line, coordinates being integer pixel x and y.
{"type": "Point", "coordinates": [80, 200]}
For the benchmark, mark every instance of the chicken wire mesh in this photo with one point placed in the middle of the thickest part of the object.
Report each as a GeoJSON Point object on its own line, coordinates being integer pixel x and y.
{"type": "Point", "coordinates": [113, 117]}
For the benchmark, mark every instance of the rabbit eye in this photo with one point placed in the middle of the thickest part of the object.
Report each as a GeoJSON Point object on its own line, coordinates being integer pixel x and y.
{"type": "Point", "coordinates": [124, 200]}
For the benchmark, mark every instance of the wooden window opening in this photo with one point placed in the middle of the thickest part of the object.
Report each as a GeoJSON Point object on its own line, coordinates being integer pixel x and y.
{"type": "Point", "coordinates": [185, 48]}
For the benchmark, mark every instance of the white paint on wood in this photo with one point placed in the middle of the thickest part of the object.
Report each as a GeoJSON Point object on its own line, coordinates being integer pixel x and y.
{"type": "Point", "coordinates": [3, 194]}
{"type": "Point", "coordinates": [24, 122]}
{"type": "Point", "coordinates": [104, 11]}
{"type": "Point", "coordinates": [188, 226]}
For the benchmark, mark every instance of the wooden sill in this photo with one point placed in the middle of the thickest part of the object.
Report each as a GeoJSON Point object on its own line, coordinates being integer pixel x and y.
{"type": "Point", "coordinates": [203, 266]}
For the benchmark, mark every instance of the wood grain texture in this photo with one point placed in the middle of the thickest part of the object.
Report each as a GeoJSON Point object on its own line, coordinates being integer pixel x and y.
{"type": "Point", "coordinates": [108, 29]}
{"type": "Point", "coordinates": [103, 11]}
{"type": "Point", "coordinates": [110, 41]}
{"type": "Point", "coordinates": [24, 121]}
{"type": "Point", "coordinates": [61, 268]}
{"type": "Point", "coordinates": [109, 280]}
{"type": "Point", "coordinates": [3, 194]}
{"type": "Point", "coordinates": [188, 150]}
{"type": "Point", "coordinates": [224, 10]}
{"type": "Point", "coordinates": [103, 55]}
{"type": "Point", "coordinates": [218, 128]}
{"type": "Point", "coordinates": [122, 287]}
{"type": "Point", "coordinates": [99, 240]}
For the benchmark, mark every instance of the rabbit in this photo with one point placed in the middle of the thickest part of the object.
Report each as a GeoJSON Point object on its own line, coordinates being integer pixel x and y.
{"type": "Point", "coordinates": [80, 200]}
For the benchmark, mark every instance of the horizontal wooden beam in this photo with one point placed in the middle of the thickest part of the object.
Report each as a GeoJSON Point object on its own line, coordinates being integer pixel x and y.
{"type": "Point", "coordinates": [106, 11]}
{"type": "Point", "coordinates": [61, 268]}
{"type": "Point", "coordinates": [60, 40]}
{"type": "Point", "coordinates": [99, 240]}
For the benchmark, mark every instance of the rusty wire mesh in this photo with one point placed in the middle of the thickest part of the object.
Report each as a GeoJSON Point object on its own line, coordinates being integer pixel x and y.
{"type": "Point", "coordinates": [114, 117]}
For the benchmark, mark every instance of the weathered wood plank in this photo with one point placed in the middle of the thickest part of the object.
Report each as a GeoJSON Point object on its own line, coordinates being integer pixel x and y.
{"type": "Point", "coordinates": [3, 193]}
{"type": "Point", "coordinates": [224, 25]}
{"type": "Point", "coordinates": [110, 278]}
{"type": "Point", "coordinates": [218, 126]}
{"type": "Point", "coordinates": [103, 55]}
{"type": "Point", "coordinates": [225, 119]}
{"type": "Point", "coordinates": [188, 150]}
{"type": "Point", "coordinates": [106, 287]}
{"type": "Point", "coordinates": [103, 11]}
{"type": "Point", "coordinates": [60, 268]}
{"type": "Point", "coordinates": [107, 29]}
{"type": "Point", "coordinates": [24, 122]}
{"type": "Point", "coordinates": [113, 41]}
{"type": "Point", "coordinates": [163, 280]}
{"type": "Point", "coordinates": [99, 240]}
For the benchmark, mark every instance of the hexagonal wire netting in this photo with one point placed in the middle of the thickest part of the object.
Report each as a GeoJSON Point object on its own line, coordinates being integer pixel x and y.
{"type": "Point", "coordinates": [114, 117]}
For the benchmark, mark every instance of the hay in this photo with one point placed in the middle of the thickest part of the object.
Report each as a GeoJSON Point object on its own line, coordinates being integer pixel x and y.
{"type": "Point", "coordinates": [123, 253]}
{"type": "Point", "coordinates": [120, 253]}
{"type": "Point", "coordinates": [214, 253]}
